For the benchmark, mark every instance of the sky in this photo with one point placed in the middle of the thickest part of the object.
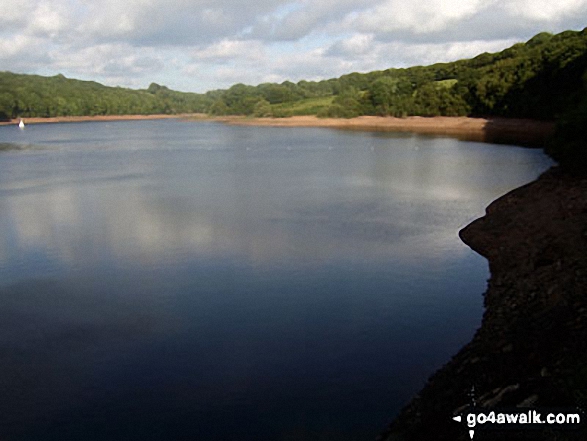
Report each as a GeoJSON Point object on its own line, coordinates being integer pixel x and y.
{"type": "Point", "coordinates": [201, 45]}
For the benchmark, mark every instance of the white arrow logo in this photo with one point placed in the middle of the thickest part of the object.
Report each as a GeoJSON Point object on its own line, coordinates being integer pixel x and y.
{"type": "Point", "coordinates": [458, 419]}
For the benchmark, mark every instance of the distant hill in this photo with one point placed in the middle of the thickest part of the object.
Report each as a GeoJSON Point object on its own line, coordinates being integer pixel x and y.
{"type": "Point", "coordinates": [539, 79]}
{"type": "Point", "coordinates": [38, 96]}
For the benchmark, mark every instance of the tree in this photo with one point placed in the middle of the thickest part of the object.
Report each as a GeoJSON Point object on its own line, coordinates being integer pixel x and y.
{"type": "Point", "coordinates": [219, 108]}
{"type": "Point", "coordinates": [262, 109]}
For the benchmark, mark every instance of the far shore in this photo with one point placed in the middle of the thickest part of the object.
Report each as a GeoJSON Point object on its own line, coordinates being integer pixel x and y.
{"type": "Point", "coordinates": [499, 130]}
{"type": "Point", "coordinates": [68, 119]}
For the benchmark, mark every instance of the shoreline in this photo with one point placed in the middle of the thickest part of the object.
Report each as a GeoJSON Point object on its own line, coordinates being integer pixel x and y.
{"type": "Point", "coordinates": [73, 119]}
{"type": "Point", "coordinates": [498, 130]}
{"type": "Point", "coordinates": [524, 132]}
{"type": "Point", "coordinates": [530, 350]}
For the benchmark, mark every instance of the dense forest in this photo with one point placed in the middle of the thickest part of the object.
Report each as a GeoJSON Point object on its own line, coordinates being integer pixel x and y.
{"type": "Point", "coordinates": [37, 96]}
{"type": "Point", "coordinates": [544, 78]}
{"type": "Point", "coordinates": [538, 79]}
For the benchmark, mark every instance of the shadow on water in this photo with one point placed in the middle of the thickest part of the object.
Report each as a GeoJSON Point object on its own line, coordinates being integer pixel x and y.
{"type": "Point", "coordinates": [497, 130]}
{"type": "Point", "coordinates": [10, 146]}
{"type": "Point", "coordinates": [527, 133]}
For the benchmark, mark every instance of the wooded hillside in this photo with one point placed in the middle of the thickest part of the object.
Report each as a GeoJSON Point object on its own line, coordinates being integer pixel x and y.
{"type": "Point", "coordinates": [37, 96]}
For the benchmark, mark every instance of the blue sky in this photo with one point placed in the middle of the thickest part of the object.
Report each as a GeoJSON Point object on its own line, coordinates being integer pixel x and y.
{"type": "Point", "coordinates": [200, 45]}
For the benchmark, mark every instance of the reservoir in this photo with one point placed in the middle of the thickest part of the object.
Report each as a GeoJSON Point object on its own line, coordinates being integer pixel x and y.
{"type": "Point", "coordinates": [198, 281]}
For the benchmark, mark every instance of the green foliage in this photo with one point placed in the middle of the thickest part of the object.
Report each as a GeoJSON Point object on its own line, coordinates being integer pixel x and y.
{"type": "Point", "coordinates": [219, 108]}
{"type": "Point", "coordinates": [346, 105]}
{"type": "Point", "coordinates": [262, 109]}
{"type": "Point", "coordinates": [431, 100]}
{"type": "Point", "coordinates": [446, 84]}
{"type": "Point", "coordinates": [307, 106]}
{"type": "Point", "coordinates": [241, 99]}
{"type": "Point", "coordinates": [390, 95]}
{"type": "Point", "coordinates": [336, 111]}
{"type": "Point", "coordinates": [282, 113]}
{"type": "Point", "coordinates": [37, 96]}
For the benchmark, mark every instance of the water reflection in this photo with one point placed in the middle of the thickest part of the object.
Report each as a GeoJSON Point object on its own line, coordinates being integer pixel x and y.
{"type": "Point", "coordinates": [204, 281]}
{"type": "Point", "coordinates": [78, 219]}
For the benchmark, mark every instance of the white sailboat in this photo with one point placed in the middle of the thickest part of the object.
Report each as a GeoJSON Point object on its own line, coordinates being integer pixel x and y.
{"type": "Point", "coordinates": [21, 124]}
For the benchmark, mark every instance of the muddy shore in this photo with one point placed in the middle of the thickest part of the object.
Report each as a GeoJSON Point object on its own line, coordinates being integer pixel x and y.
{"type": "Point", "coordinates": [498, 130]}
{"type": "Point", "coordinates": [531, 348]}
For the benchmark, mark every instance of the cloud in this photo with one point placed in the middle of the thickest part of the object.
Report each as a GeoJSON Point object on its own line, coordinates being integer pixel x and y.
{"type": "Point", "coordinates": [410, 54]}
{"type": "Point", "coordinates": [23, 53]}
{"type": "Point", "coordinates": [546, 10]}
{"type": "Point", "coordinates": [115, 64]}
{"type": "Point", "coordinates": [164, 22]}
{"type": "Point", "coordinates": [49, 19]}
{"type": "Point", "coordinates": [203, 44]}
{"type": "Point", "coordinates": [450, 20]}
{"type": "Point", "coordinates": [363, 53]}
{"type": "Point", "coordinates": [418, 17]}
{"type": "Point", "coordinates": [301, 18]}
{"type": "Point", "coordinates": [230, 49]}
{"type": "Point", "coordinates": [355, 45]}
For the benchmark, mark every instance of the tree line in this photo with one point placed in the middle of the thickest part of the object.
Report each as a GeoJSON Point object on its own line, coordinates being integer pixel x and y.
{"type": "Point", "coordinates": [37, 96]}
{"type": "Point", "coordinates": [538, 79]}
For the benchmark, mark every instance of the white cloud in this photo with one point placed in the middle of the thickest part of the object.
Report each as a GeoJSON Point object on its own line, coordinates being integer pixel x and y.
{"type": "Point", "coordinates": [406, 54]}
{"type": "Point", "coordinates": [163, 22]}
{"type": "Point", "coordinates": [12, 14]}
{"type": "Point", "coordinates": [547, 10]}
{"type": "Point", "coordinates": [49, 19]}
{"type": "Point", "coordinates": [357, 44]}
{"type": "Point", "coordinates": [204, 44]}
{"type": "Point", "coordinates": [230, 49]}
{"type": "Point", "coordinates": [112, 64]}
{"type": "Point", "coordinates": [10, 48]}
{"type": "Point", "coordinates": [418, 17]}
{"type": "Point", "coordinates": [23, 53]}
{"type": "Point", "coordinates": [304, 17]}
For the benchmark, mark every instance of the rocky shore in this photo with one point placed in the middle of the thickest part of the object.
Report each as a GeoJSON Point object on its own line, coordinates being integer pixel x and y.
{"type": "Point", "coordinates": [531, 348]}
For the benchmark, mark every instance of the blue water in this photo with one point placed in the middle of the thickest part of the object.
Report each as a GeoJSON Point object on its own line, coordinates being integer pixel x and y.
{"type": "Point", "coordinates": [191, 280]}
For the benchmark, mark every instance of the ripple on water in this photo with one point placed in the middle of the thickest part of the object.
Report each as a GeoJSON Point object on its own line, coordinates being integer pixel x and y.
{"type": "Point", "coordinates": [11, 146]}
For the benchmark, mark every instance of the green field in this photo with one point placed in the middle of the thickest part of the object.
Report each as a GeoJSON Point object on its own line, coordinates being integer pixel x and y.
{"type": "Point", "coordinates": [446, 84]}
{"type": "Point", "coordinates": [308, 106]}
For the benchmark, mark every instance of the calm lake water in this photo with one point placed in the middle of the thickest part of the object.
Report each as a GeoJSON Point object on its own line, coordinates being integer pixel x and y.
{"type": "Point", "coordinates": [191, 280]}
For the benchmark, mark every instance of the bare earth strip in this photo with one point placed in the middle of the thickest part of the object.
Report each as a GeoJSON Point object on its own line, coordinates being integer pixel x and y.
{"type": "Point", "coordinates": [502, 130]}
{"type": "Point", "coordinates": [522, 131]}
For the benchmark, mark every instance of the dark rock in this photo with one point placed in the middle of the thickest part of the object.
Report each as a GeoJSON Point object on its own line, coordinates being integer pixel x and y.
{"type": "Point", "coordinates": [534, 328]}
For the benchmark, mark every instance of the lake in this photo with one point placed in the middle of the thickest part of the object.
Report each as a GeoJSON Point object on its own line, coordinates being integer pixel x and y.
{"type": "Point", "coordinates": [193, 280]}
